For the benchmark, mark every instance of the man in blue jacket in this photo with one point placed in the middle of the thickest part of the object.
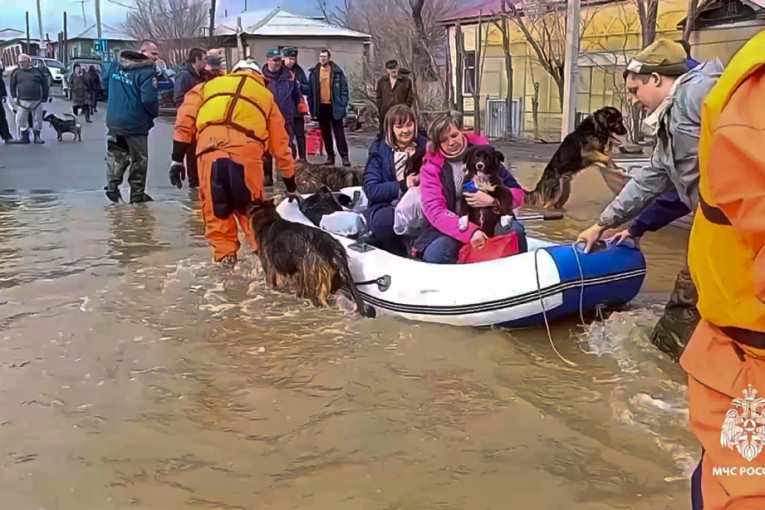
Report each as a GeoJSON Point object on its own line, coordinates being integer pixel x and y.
{"type": "Point", "coordinates": [281, 82]}
{"type": "Point", "coordinates": [290, 62]}
{"type": "Point", "coordinates": [133, 106]}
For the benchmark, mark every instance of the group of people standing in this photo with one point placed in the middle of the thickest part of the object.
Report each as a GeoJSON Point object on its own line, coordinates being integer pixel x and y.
{"type": "Point", "coordinates": [85, 87]}
{"type": "Point", "coordinates": [230, 128]}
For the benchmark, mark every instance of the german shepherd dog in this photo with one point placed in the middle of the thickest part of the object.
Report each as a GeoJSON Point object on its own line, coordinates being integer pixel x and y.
{"type": "Point", "coordinates": [315, 260]}
{"type": "Point", "coordinates": [310, 178]}
{"type": "Point", "coordinates": [585, 146]}
{"type": "Point", "coordinates": [64, 125]}
{"type": "Point", "coordinates": [482, 165]}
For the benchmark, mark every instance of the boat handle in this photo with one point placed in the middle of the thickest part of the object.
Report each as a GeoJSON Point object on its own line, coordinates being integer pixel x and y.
{"type": "Point", "coordinates": [383, 283]}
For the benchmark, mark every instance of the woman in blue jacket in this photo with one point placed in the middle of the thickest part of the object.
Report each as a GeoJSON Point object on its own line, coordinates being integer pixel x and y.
{"type": "Point", "coordinates": [392, 168]}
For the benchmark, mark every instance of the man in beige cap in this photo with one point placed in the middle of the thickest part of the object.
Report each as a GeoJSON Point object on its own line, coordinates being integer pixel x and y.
{"type": "Point", "coordinates": [660, 81]}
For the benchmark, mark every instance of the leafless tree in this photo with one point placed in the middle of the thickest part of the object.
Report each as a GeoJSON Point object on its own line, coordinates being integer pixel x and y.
{"type": "Point", "coordinates": [406, 30]}
{"type": "Point", "coordinates": [503, 26]}
{"type": "Point", "coordinates": [648, 11]}
{"type": "Point", "coordinates": [480, 59]}
{"type": "Point", "coordinates": [174, 24]}
{"type": "Point", "coordinates": [338, 16]}
{"type": "Point", "coordinates": [543, 24]}
{"type": "Point", "coordinates": [690, 20]}
{"type": "Point", "coordinates": [629, 22]}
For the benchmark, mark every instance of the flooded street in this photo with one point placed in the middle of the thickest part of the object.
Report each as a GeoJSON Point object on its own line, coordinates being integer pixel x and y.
{"type": "Point", "coordinates": [135, 373]}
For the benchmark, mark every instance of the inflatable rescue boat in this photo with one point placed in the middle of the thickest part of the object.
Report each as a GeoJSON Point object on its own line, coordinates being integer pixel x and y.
{"type": "Point", "coordinates": [550, 281]}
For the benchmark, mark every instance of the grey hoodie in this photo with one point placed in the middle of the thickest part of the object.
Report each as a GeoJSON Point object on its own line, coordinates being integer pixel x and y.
{"type": "Point", "coordinates": [675, 161]}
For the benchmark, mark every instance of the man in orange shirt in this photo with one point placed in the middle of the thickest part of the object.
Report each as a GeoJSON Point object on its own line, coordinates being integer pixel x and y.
{"type": "Point", "coordinates": [328, 101]}
{"type": "Point", "coordinates": [725, 358]}
{"type": "Point", "coordinates": [235, 121]}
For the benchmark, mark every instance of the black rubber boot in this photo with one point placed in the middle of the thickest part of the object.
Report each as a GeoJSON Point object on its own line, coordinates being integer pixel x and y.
{"type": "Point", "coordinates": [675, 328]}
{"type": "Point", "coordinates": [115, 195]}
{"type": "Point", "coordinates": [301, 147]}
{"type": "Point", "coordinates": [139, 198]}
{"type": "Point", "coordinates": [38, 140]}
{"type": "Point", "coordinates": [346, 161]}
{"type": "Point", "coordinates": [330, 161]}
{"type": "Point", "coordinates": [227, 261]}
{"type": "Point", "coordinates": [23, 140]}
{"type": "Point", "coordinates": [87, 115]}
{"type": "Point", "coordinates": [268, 172]}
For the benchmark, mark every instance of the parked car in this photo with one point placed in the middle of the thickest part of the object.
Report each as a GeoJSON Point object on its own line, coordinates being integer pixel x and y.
{"type": "Point", "coordinates": [39, 63]}
{"type": "Point", "coordinates": [83, 62]}
{"type": "Point", "coordinates": [51, 67]}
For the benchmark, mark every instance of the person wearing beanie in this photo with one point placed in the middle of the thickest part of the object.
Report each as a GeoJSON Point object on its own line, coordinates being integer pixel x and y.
{"type": "Point", "coordinates": [235, 121]}
{"type": "Point", "coordinates": [289, 59]}
{"type": "Point", "coordinates": [660, 81]}
{"type": "Point", "coordinates": [392, 89]}
{"type": "Point", "coordinates": [281, 82]}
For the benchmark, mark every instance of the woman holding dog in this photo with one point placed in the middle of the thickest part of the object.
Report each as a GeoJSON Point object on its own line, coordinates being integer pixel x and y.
{"type": "Point", "coordinates": [392, 168]}
{"type": "Point", "coordinates": [441, 181]}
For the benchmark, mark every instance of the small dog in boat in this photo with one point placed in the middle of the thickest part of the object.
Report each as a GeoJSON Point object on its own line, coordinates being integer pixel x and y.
{"type": "Point", "coordinates": [322, 203]}
{"type": "Point", "coordinates": [585, 146]}
{"type": "Point", "coordinates": [316, 261]}
{"type": "Point", "coordinates": [64, 125]}
{"type": "Point", "coordinates": [310, 178]}
{"type": "Point", "coordinates": [482, 165]}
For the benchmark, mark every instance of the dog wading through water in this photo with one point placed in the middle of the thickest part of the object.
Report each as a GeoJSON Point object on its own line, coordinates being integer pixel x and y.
{"type": "Point", "coordinates": [315, 260]}
{"type": "Point", "coordinates": [482, 164]}
{"type": "Point", "coordinates": [64, 125]}
{"type": "Point", "coordinates": [583, 147]}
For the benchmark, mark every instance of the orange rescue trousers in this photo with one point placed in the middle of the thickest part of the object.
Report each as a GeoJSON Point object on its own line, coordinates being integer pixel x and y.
{"type": "Point", "coordinates": [726, 386]}
{"type": "Point", "coordinates": [228, 183]}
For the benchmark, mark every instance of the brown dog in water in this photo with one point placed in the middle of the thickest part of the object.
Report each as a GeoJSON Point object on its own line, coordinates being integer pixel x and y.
{"type": "Point", "coordinates": [311, 178]}
{"type": "Point", "coordinates": [584, 146]}
{"type": "Point", "coordinates": [316, 261]}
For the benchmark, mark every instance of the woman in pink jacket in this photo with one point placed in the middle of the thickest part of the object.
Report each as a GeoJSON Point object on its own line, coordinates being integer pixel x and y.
{"type": "Point", "coordinates": [441, 179]}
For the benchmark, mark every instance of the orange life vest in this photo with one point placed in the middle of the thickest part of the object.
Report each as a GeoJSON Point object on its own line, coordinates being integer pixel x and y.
{"type": "Point", "coordinates": [720, 259]}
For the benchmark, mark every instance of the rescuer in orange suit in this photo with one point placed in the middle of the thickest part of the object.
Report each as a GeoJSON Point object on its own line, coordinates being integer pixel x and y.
{"type": "Point", "coordinates": [235, 121]}
{"type": "Point", "coordinates": [725, 358]}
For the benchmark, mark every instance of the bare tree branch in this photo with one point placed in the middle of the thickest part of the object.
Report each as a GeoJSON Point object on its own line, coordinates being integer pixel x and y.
{"type": "Point", "coordinates": [174, 24]}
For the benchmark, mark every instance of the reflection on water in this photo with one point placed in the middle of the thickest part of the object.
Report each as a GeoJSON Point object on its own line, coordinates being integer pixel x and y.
{"type": "Point", "coordinates": [138, 373]}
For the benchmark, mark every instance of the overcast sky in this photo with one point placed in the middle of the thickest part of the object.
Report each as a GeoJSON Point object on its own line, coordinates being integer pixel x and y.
{"type": "Point", "coordinates": [12, 12]}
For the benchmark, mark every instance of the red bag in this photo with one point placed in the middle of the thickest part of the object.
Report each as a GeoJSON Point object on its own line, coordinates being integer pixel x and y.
{"type": "Point", "coordinates": [495, 248]}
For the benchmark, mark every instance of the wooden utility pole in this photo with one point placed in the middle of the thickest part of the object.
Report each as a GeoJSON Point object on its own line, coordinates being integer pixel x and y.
{"type": "Point", "coordinates": [65, 44]}
{"type": "Point", "coordinates": [460, 70]}
{"type": "Point", "coordinates": [212, 19]}
{"type": "Point", "coordinates": [29, 47]}
{"type": "Point", "coordinates": [570, 71]}
{"type": "Point", "coordinates": [98, 16]}
{"type": "Point", "coordinates": [42, 47]}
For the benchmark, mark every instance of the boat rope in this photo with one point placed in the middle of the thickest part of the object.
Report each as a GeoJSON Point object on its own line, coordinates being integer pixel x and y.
{"type": "Point", "coordinates": [581, 280]}
{"type": "Point", "coordinates": [544, 312]}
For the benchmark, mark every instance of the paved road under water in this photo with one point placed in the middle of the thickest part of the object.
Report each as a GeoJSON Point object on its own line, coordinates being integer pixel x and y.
{"type": "Point", "coordinates": [134, 373]}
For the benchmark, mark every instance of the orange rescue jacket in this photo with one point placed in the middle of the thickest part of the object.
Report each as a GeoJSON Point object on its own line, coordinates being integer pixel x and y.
{"type": "Point", "coordinates": [727, 243]}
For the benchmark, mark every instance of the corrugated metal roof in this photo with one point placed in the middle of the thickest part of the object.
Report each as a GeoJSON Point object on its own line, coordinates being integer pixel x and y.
{"type": "Point", "coordinates": [7, 34]}
{"type": "Point", "coordinates": [278, 22]}
{"type": "Point", "coordinates": [485, 9]}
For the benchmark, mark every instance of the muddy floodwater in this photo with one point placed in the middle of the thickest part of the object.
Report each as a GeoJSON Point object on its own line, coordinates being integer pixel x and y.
{"type": "Point", "coordinates": [135, 373]}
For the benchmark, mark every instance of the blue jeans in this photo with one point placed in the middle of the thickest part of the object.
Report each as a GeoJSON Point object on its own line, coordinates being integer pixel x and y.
{"type": "Point", "coordinates": [381, 225]}
{"type": "Point", "coordinates": [445, 249]}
